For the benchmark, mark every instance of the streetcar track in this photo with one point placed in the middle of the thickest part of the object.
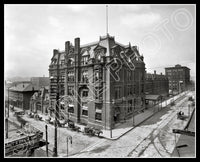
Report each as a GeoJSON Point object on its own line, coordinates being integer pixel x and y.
{"type": "Point", "coordinates": [163, 120]}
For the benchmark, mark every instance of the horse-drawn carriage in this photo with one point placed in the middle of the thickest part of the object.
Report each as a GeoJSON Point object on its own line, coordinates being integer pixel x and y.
{"type": "Point", "coordinates": [19, 112]}
{"type": "Point", "coordinates": [92, 131]}
{"type": "Point", "coordinates": [30, 115]}
{"type": "Point", "coordinates": [72, 126]}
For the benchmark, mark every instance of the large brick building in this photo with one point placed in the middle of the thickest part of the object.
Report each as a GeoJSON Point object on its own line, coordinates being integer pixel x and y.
{"type": "Point", "coordinates": [102, 82]}
{"type": "Point", "coordinates": [179, 77]}
{"type": "Point", "coordinates": [156, 84]}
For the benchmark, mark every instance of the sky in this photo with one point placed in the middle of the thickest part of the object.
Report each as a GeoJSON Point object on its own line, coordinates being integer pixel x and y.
{"type": "Point", "coordinates": [165, 34]}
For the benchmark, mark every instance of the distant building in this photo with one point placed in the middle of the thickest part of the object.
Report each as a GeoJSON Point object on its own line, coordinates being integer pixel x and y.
{"type": "Point", "coordinates": [40, 81]}
{"type": "Point", "coordinates": [156, 84]}
{"type": "Point", "coordinates": [20, 94]}
{"type": "Point", "coordinates": [179, 77]}
{"type": "Point", "coordinates": [40, 101]}
{"type": "Point", "coordinates": [87, 76]}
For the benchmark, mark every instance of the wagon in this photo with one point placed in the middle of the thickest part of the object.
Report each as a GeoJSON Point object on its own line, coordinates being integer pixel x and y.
{"type": "Point", "coordinates": [20, 112]}
{"type": "Point", "coordinates": [180, 115]}
{"type": "Point", "coordinates": [72, 126]}
{"type": "Point", "coordinates": [89, 131]}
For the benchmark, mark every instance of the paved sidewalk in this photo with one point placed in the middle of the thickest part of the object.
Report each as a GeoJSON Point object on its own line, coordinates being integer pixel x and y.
{"type": "Point", "coordinates": [189, 141]}
{"type": "Point", "coordinates": [127, 126]}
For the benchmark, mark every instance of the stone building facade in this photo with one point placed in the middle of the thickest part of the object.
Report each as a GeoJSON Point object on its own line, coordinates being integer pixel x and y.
{"type": "Point", "coordinates": [40, 102]}
{"type": "Point", "coordinates": [98, 84]}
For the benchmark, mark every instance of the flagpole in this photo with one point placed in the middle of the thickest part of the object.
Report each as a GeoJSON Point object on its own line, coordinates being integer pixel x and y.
{"type": "Point", "coordinates": [106, 19]}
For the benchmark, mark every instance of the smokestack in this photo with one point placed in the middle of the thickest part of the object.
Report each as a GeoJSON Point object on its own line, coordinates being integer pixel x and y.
{"type": "Point", "coordinates": [154, 71]}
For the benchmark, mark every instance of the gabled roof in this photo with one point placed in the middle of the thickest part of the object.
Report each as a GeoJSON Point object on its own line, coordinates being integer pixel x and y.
{"type": "Point", "coordinates": [24, 87]}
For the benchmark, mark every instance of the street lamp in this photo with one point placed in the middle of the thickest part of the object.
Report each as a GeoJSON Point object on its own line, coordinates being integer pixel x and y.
{"type": "Point", "coordinates": [113, 102]}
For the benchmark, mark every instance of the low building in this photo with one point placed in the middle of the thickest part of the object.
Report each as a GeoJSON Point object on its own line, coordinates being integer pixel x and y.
{"type": "Point", "coordinates": [20, 94]}
{"type": "Point", "coordinates": [156, 88]}
{"type": "Point", "coordinates": [156, 84]}
{"type": "Point", "coordinates": [179, 78]}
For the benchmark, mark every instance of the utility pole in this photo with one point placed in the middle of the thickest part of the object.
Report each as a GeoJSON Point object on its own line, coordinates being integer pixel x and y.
{"type": "Point", "coordinates": [55, 154]}
{"type": "Point", "coordinates": [6, 127]}
{"type": "Point", "coordinates": [46, 140]}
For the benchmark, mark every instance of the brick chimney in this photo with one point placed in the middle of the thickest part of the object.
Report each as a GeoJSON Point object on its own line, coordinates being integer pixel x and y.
{"type": "Point", "coordinates": [77, 51]}
{"type": "Point", "coordinates": [55, 51]}
{"type": "Point", "coordinates": [67, 45]}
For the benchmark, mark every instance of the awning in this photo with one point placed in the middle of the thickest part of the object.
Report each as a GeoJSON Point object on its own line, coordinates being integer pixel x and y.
{"type": "Point", "coordinates": [152, 97]}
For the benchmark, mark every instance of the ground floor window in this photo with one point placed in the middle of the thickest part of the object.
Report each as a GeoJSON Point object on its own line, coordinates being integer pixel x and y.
{"type": "Point", "coordinates": [98, 116]}
{"type": "Point", "coordinates": [85, 112]}
{"type": "Point", "coordinates": [129, 106]}
{"type": "Point", "coordinates": [71, 109]}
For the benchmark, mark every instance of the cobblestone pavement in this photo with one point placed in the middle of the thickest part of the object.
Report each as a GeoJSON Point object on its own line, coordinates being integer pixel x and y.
{"type": "Point", "coordinates": [153, 138]}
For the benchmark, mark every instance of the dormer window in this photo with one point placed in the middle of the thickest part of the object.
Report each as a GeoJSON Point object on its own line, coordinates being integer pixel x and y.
{"type": "Point", "coordinates": [99, 57]}
{"type": "Point", "coordinates": [62, 62]}
{"type": "Point", "coordinates": [70, 61]}
{"type": "Point", "coordinates": [84, 60]}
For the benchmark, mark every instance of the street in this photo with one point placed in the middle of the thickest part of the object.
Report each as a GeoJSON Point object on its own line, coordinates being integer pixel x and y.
{"type": "Point", "coordinates": [153, 138]}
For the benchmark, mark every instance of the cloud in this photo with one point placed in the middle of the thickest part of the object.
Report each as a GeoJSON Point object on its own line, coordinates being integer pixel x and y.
{"type": "Point", "coordinates": [75, 7]}
{"type": "Point", "coordinates": [139, 20]}
{"type": "Point", "coordinates": [54, 21]}
{"type": "Point", "coordinates": [134, 8]}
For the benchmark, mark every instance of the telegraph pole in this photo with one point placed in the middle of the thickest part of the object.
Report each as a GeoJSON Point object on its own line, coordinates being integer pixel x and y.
{"type": "Point", "coordinates": [46, 140]}
{"type": "Point", "coordinates": [55, 154]}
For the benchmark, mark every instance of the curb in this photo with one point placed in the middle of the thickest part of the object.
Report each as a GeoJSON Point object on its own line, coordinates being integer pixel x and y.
{"type": "Point", "coordinates": [188, 123]}
{"type": "Point", "coordinates": [140, 122]}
